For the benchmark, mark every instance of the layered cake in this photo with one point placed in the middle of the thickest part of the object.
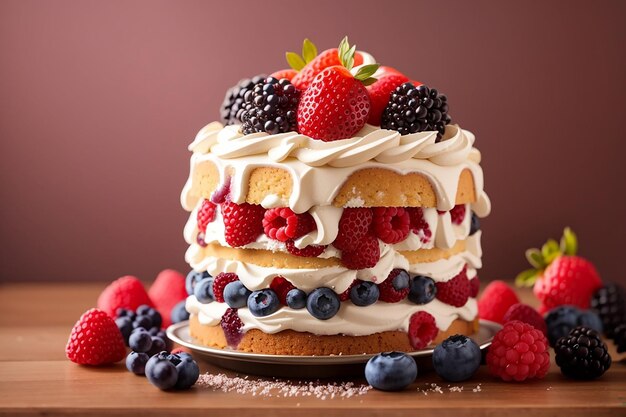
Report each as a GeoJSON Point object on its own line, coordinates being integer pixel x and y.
{"type": "Point", "coordinates": [334, 210]}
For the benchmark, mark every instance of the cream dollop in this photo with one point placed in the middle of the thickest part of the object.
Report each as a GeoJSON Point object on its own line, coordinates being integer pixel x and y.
{"type": "Point", "coordinates": [370, 144]}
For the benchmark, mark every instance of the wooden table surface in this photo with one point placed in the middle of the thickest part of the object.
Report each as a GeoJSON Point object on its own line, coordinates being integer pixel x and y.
{"type": "Point", "coordinates": [37, 379]}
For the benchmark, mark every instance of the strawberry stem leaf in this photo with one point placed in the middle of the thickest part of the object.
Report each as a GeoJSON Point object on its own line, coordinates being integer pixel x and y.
{"type": "Point", "coordinates": [569, 242]}
{"type": "Point", "coordinates": [309, 51]}
{"type": "Point", "coordinates": [366, 71]}
{"type": "Point", "coordinates": [295, 61]}
{"type": "Point", "coordinates": [526, 278]}
{"type": "Point", "coordinates": [535, 258]}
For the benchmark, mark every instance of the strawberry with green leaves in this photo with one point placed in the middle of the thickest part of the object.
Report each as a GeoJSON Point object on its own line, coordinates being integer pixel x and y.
{"type": "Point", "coordinates": [310, 64]}
{"type": "Point", "coordinates": [336, 105]}
{"type": "Point", "coordinates": [558, 275]}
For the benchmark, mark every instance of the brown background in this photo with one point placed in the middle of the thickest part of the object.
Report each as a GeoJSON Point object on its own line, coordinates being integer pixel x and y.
{"type": "Point", "coordinates": [100, 99]}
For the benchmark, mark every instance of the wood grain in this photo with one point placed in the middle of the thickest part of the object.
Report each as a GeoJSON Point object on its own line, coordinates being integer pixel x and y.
{"type": "Point", "coordinates": [36, 379]}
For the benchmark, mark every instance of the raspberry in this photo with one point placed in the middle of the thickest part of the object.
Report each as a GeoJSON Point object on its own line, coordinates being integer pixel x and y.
{"type": "Point", "coordinates": [518, 352]}
{"type": "Point", "coordinates": [220, 194]}
{"type": "Point", "coordinates": [418, 225]}
{"type": "Point", "coordinates": [283, 224]}
{"type": "Point", "coordinates": [388, 291]}
{"type": "Point", "coordinates": [95, 340]}
{"type": "Point", "coordinates": [422, 330]}
{"type": "Point", "coordinates": [310, 251]}
{"type": "Point", "coordinates": [391, 224]}
{"type": "Point", "coordinates": [281, 287]}
{"type": "Point", "coordinates": [458, 213]}
{"type": "Point", "coordinates": [231, 325]}
{"type": "Point", "coordinates": [353, 226]}
{"type": "Point", "coordinates": [526, 314]}
{"type": "Point", "coordinates": [474, 287]}
{"type": "Point", "coordinates": [365, 255]}
{"type": "Point", "coordinates": [219, 283]}
{"type": "Point", "coordinates": [243, 223]}
{"type": "Point", "coordinates": [345, 296]}
{"type": "Point", "coordinates": [206, 214]}
{"type": "Point", "coordinates": [455, 291]}
{"type": "Point", "coordinates": [126, 292]}
{"type": "Point", "coordinates": [497, 298]}
{"type": "Point", "coordinates": [167, 290]}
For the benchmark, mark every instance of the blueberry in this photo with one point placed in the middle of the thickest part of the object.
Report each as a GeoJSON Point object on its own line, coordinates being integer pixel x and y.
{"type": "Point", "coordinates": [124, 312]}
{"type": "Point", "coordinates": [475, 224]}
{"type": "Point", "coordinates": [125, 324]}
{"type": "Point", "coordinates": [157, 346]}
{"type": "Point", "coordinates": [161, 372]}
{"type": "Point", "coordinates": [174, 358]}
{"type": "Point", "coordinates": [204, 291]}
{"type": "Point", "coordinates": [296, 299]}
{"type": "Point", "coordinates": [179, 313]}
{"type": "Point", "coordinates": [236, 294]}
{"type": "Point", "coordinates": [423, 290]}
{"type": "Point", "coordinates": [560, 320]}
{"type": "Point", "coordinates": [155, 317]}
{"type": "Point", "coordinates": [322, 303]}
{"type": "Point", "coordinates": [263, 303]}
{"type": "Point", "coordinates": [401, 281]}
{"type": "Point", "coordinates": [364, 293]}
{"type": "Point", "coordinates": [153, 331]}
{"type": "Point", "coordinates": [457, 358]}
{"type": "Point", "coordinates": [140, 341]}
{"type": "Point", "coordinates": [590, 319]}
{"type": "Point", "coordinates": [136, 362]}
{"type": "Point", "coordinates": [142, 310]}
{"type": "Point", "coordinates": [142, 321]}
{"type": "Point", "coordinates": [188, 373]}
{"type": "Point", "coordinates": [391, 371]}
{"type": "Point", "coordinates": [193, 278]}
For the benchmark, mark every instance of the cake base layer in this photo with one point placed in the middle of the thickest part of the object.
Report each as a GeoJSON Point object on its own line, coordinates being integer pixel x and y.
{"type": "Point", "coordinates": [289, 342]}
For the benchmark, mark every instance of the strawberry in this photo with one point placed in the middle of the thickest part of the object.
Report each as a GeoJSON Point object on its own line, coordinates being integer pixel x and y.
{"type": "Point", "coordinates": [353, 226]}
{"type": "Point", "coordinates": [286, 73]}
{"type": "Point", "coordinates": [310, 64]}
{"type": "Point", "coordinates": [167, 290]}
{"type": "Point", "coordinates": [95, 340]}
{"type": "Point", "coordinates": [243, 223]}
{"type": "Point", "coordinates": [380, 92]}
{"type": "Point", "coordinates": [125, 292]}
{"type": "Point", "coordinates": [559, 276]}
{"type": "Point", "coordinates": [336, 104]}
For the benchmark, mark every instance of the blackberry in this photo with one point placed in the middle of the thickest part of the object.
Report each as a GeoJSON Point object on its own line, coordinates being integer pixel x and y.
{"type": "Point", "coordinates": [414, 109]}
{"type": "Point", "coordinates": [233, 99]}
{"type": "Point", "coordinates": [619, 337]}
{"type": "Point", "coordinates": [269, 106]}
{"type": "Point", "coordinates": [610, 304]}
{"type": "Point", "coordinates": [582, 354]}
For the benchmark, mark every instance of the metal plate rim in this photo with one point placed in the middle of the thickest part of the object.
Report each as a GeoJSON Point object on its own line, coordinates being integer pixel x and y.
{"type": "Point", "coordinates": [174, 330]}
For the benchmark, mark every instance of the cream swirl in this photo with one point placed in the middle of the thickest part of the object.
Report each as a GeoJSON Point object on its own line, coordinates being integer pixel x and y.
{"type": "Point", "coordinates": [370, 144]}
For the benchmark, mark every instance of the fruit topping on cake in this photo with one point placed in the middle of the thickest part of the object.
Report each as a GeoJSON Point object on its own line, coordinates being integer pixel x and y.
{"type": "Point", "coordinates": [416, 108]}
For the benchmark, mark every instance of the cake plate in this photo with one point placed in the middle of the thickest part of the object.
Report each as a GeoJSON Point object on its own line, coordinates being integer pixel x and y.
{"type": "Point", "coordinates": [304, 367]}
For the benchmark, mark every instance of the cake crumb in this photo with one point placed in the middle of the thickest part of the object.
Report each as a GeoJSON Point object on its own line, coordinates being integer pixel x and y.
{"type": "Point", "coordinates": [477, 389]}
{"type": "Point", "coordinates": [281, 388]}
{"type": "Point", "coordinates": [355, 202]}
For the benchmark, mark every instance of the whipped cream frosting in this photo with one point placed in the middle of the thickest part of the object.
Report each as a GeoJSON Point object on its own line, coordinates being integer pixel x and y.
{"type": "Point", "coordinates": [313, 162]}
{"type": "Point", "coordinates": [350, 320]}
